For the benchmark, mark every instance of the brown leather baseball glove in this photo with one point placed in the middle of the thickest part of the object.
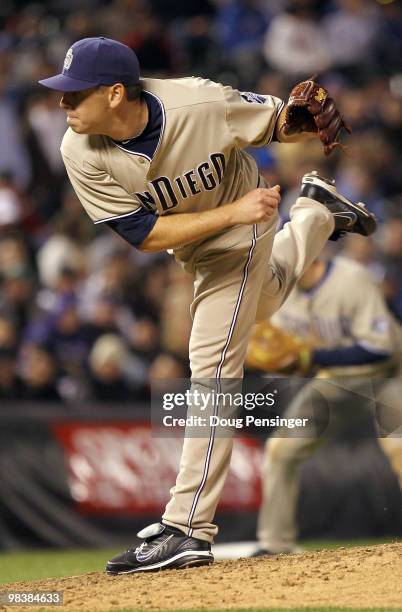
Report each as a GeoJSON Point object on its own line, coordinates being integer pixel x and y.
{"type": "Point", "coordinates": [273, 350]}
{"type": "Point", "coordinates": [310, 109]}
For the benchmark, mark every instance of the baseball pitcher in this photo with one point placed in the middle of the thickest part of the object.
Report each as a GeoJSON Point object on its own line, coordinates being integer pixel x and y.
{"type": "Point", "coordinates": [162, 163]}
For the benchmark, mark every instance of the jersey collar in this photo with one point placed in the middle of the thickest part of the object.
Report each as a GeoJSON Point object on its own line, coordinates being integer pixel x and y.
{"type": "Point", "coordinates": [311, 292]}
{"type": "Point", "coordinates": [120, 145]}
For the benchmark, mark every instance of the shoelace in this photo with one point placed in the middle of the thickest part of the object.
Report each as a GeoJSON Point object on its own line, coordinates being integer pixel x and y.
{"type": "Point", "coordinates": [140, 547]}
{"type": "Point", "coordinates": [150, 553]}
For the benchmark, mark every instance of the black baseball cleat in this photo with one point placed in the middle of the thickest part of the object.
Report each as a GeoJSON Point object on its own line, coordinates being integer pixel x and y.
{"type": "Point", "coordinates": [264, 552]}
{"type": "Point", "coordinates": [349, 217]}
{"type": "Point", "coordinates": [163, 548]}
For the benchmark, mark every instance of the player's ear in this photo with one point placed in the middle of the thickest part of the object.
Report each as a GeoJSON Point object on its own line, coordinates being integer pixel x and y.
{"type": "Point", "coordinates": [116, 95]}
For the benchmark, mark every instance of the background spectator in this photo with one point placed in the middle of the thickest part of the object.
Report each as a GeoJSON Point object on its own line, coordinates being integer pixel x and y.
{"type": "Point", "coordinates": [83, 314]}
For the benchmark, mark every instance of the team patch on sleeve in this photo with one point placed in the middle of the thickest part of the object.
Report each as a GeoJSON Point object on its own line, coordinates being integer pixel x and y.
{"type": "Point", "coordinates": [380, 325]}
{"type": "Point", "coordinates": [252, 97]}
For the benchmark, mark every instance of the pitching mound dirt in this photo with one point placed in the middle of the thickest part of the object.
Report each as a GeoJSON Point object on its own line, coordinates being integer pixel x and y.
{"type": "Point", "coordinates": [361, 577]}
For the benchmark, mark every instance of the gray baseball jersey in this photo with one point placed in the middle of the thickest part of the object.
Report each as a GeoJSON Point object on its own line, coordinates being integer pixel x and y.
{"type": "Point", "coordinates": [198, 163]}
{"type": "Point", "coordinates": [345, 308]}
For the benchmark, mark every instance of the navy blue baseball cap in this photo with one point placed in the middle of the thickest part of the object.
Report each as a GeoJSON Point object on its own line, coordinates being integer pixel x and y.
{"type": "Point", "coordinates": [96, 61]}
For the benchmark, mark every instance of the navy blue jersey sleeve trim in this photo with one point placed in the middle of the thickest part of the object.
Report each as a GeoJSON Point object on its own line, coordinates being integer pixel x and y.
{"type": "Point", "coordinates": [345, 356]}
{"type": "Point", "coordinates": [134, 228]}
{"type": "Point", "coordinates": [278, 112]}
{"type": "Point", "coordinates": [132, 212]}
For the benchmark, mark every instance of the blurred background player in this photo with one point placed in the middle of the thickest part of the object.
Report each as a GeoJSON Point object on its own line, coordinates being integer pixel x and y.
{"type": "Point", "coordinates": [350, 341]}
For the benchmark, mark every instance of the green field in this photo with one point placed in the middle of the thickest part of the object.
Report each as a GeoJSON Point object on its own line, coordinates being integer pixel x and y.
{"type": "Point", "coordinates": [39, 564]}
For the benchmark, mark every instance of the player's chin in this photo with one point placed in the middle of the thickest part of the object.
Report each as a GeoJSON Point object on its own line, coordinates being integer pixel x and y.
{"type": "Point", "coordinates": [78, 129]}
{"type": "Point", "coordinates": [76, 125]}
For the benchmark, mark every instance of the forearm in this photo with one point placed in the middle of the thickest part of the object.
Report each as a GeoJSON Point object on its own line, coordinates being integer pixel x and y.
{"type": "Point", "coordinates": [289, 138]}
{"type": "Point", "coordinates": [173, 231]}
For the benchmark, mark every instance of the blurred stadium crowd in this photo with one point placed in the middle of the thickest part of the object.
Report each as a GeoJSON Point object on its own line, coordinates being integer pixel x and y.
{"type": "Point", "coordinates": [84, 316]}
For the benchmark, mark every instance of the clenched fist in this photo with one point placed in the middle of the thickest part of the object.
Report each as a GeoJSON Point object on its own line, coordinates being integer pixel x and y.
{"type": "Point", "coordinates": [257, 205]}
